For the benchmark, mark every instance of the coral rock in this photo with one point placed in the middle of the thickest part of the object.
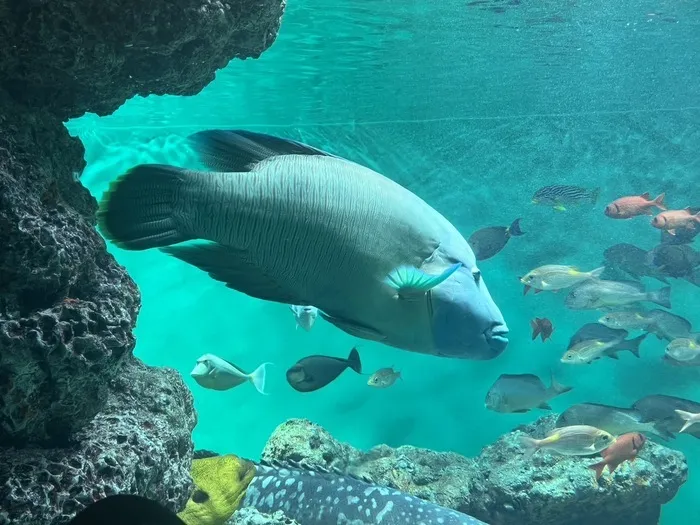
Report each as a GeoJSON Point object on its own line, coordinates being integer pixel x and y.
{"type": "Point", "coordinates": [502, 486]}
{"type": "Point", "coordinates": [250, 516]}
{"type": "Point", "coordinates": [139, 444]}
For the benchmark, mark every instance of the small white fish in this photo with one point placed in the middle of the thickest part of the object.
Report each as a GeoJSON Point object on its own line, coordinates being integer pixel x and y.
{"type": "Point", "coordinates": [215, 373]}
{"type": "Point", "coordinates": [304, 315]}
{"type": "Point", "coordinates": [689, 418]}
{"type": "Point", "coordinates": [574, 440]}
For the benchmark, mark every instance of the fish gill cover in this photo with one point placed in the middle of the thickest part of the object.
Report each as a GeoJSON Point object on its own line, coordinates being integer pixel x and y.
{"type": "Point", "coordinates": [474, 107]}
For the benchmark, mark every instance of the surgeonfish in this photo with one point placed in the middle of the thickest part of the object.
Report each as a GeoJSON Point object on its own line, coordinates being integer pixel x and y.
{"type": "Point", "coordinates": [283, 221]}
{"type": "Point", "coordinates": [305, 316]}
{"type": "Point", "coordinates": [487, 242]}
{"type": "Point", "coordinates": [316, 371]}
{"type": "Point", "coordinates": [215, 373]}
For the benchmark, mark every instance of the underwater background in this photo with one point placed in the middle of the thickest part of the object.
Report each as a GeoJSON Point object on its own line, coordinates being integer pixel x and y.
{"type": "Point", "coordinates": [472, 105]}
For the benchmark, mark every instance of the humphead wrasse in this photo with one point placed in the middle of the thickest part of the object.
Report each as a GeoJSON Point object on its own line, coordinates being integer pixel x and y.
{"type": "Point", "coordinates": [286, 222]}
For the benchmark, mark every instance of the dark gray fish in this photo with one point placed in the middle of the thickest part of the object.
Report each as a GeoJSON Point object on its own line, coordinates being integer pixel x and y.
{"type": "Point", "coordinates": [560, 196]}
{"type": "Point", "coordinates": [615, 420]}
{"type": "Point", "coordinates": [598, 332]}
{"type": "Point", "coordinates": [631, 260]}
{"type": "Point", "coordinates": [316, 371]}
{"type": "Point", "coordinates": [675, 260]}
{"type": "Point", "coordinates": [518, 393]}
{"type": "Point", "coordinates": [667, 325]}
{"type": "Point", "coordinates": [661, 410]}
{"type": "Point", "coordinates": [487, 242]}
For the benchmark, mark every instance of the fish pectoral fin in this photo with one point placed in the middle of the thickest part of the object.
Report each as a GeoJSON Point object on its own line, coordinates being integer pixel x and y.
{"type": "Point", "coordinates": [409, 281]}
{"type": "Point", "coordinates": [544, 406]}
{"type": "Point", "coordinates": [353, 328]}
{"type": "Point", "coordinates": [521, 411]}
{"type": "Point", "coordinates": [239, 150]}
{"type": "Point", "coordinates": [559, 207]}
{"type": "Point", "coordinates": [230, 266]}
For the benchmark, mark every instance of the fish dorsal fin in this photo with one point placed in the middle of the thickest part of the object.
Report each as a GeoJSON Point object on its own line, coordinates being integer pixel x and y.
{"type": "Point", "coordinates": [239, 150]}
{"type": "Point", "coordinates": [645, 195]}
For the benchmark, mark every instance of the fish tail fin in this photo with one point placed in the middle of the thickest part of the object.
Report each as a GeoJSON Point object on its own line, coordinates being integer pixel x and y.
{"type": "Point", "coordinates": [598, 468]}
{"type": "Point", "coordinates": [635, 343]}
{"type": "Point", "coordinates": [662, 297]}
{"type": "Point", "coordinates": [595, 193]}
{"type": "Point", "coordinates": [136, 212]}
{"type": "Point", "coordinates": [659, 202]}
{"type": "Point", "coordinates": [689, 419]}
{"type": "Point", "coordinates": [354, 361]}
{"type": "Point", "coordinates": [595, 274]}
{"type": "Point", "coordinates": [514, 229]}
{"type": "Point", "coordinates": [257, 377]}
{"type": "Point", "coordinates": [556, 387]}
{"type": "Point", "coordinates": [536, 329]}
{"type": "Point", "coordinates": [529, 445]}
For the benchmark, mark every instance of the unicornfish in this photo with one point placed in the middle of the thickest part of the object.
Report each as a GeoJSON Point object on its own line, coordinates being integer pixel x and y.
{"type": "Point", "coordinates": [283, 221]}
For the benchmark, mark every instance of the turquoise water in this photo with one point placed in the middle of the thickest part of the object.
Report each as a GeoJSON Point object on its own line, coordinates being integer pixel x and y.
{"type": "Point", "coordinates": [472, 106]}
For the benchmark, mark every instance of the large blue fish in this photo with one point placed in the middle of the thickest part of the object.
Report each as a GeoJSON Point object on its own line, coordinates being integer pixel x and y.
{"type": "Point", "coordinates": [285, 222]}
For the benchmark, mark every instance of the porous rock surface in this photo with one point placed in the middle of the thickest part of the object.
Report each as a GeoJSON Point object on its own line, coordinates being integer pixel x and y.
{"type": "Point", "coordinates": [67, 309]}
{"type": "Point", "coordinates": [140, 443]}
{"type": "Point", "coordinates": [501, 486]}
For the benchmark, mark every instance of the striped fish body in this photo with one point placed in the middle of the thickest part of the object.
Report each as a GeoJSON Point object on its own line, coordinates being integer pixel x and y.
{"type": "Point", "coordinates": [314, 498]}
{"type": "Point", "coordinates": [313, 229]}
{"type": "Point", "coordinates": [559, 196]}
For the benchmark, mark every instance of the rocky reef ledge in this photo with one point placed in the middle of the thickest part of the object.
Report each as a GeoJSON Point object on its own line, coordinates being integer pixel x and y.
{"type": "Point", "coordinates": [79, 416]}
{"type": "Point", "coordinates": [501, 486]}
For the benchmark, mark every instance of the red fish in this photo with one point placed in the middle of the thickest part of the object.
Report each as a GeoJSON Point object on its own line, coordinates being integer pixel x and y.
{"type": "Point", "coordinates": [625, 448]}
{"type": "Point", "coordinates": [673, 219]}
{"type": "Point", "coordinates": [627, 207]}
{"type": "Point", "coordinates": [542, 327]}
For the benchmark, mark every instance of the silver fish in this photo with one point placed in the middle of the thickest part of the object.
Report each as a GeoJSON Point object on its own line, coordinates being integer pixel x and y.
{"type": "Point", "coordinates": [518, 393]}
{"type": "Point", "coordinates": [304, 315]}
{"type": "Point", "coordinates": [599, 294]}
{"type": "Point", "coordinates": [683, 349]}
{"type": "Point", "coordinates": [615, 420]}
{"type": "Point", "coordinates": [215, 373]}
{"type": "Point", "coordinates": [283, 221]}
{"type": "Point", "coordinates": [574, 440]}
